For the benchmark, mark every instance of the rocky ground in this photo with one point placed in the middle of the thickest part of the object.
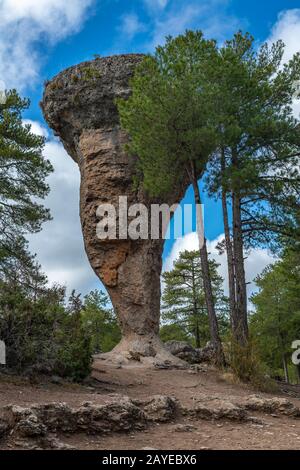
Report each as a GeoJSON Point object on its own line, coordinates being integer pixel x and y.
{"type": "Point", "coordinates": [131, 407]}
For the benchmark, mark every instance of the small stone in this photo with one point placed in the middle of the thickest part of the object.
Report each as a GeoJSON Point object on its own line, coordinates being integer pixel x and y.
{"type": "Point", "coordinates": [183, 428]}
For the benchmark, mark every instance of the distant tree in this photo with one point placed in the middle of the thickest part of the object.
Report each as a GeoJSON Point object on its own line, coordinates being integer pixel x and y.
{"type": "Point", "coordinates": [276, 321]}
{"type": "Point", "coordinates": [100, 322]}
{"type": "Point", "coordinates": [183, 300]}
{"type": "Point", "coordinates": [23, 171]}
{"type": "Point", "coordinates": [75, 303]}
{"type": "Point", "coordinates": [174, 332]}
{"type": "Point", "coordinates": [168, 120]}
{"type": "Point", "coordinates": [22, 270]}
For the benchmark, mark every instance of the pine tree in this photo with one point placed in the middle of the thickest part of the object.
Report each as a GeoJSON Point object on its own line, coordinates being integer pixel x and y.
{"type": "Point", "coordinates": [184, 297]}
{"type": "Point", "coordinates": [276, 320]}
{"type": "Point", "coordinates": [23, 171]}
{"type": "Point", "coordinates": [255, 171]}
{"type": "Point", "coordinates": [100, 322]}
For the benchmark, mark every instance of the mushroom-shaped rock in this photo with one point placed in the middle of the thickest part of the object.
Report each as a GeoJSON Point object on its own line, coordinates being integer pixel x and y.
{"type": "Point", "coordinates": [79, 105]}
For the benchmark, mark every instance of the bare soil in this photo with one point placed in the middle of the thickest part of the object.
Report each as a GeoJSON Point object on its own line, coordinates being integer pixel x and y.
{"type": "Point", "coordinates": [186, 432]}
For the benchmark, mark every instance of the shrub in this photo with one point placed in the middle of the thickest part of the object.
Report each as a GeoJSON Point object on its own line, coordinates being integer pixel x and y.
{"type": "Point", "coordinates": [100, 322]}
{"type": "Point", "coordinates": [41, 334]}
{"type": "Point", "coordinates": [73, 355]}
{"type": "Point", "coordinates": [247, 366]}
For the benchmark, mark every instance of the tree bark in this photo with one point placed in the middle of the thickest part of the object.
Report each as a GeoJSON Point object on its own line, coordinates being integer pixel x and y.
{"type": "Point", "coordinates": [285, 368]}
{"type": "Point", "coordinates": [241, 324]}
{"type": "Point", "coordinates": [229, 253]}
{"type": "Point", "coordinates": [198, 344]}
{"type": "Point", "coordinates": [298, 372]}
{"type": "Point", "coordinates": [213, 322]}
{"type": "Point", "coordinates": [195, 310]}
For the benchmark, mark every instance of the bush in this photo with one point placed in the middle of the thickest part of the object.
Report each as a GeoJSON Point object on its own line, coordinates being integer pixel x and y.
{"type": "Point", "coordinates": [247, 366]}
{"type": "Point", "coordinates": [41, 334]}
{"type": "Point", "coordinates": [74, 356]}
{"type": "Point", "coordinates": [100, 322]}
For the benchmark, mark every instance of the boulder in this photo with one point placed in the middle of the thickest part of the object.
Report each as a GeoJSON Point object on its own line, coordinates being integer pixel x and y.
{"type": "Point", "coordinates": [122, 415]}
{"type": "Point", "coordinates": [185, 351]}
{"type": "Point", "coordinates": [275, 405]}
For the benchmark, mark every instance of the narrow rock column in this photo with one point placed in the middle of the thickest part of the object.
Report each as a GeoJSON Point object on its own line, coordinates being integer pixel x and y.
{"type": "Point", "coordinates": [79, 105]}
{"type": "Point", "coordinates": [129, 269]}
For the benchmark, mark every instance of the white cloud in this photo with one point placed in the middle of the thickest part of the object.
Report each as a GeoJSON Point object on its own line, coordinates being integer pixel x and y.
{"type": "Point", "coordinates": [296, 108]}
{"type": "Point", "coordinates": [23, 24]}
{"type": "Point", "coordinates": [173, 17]}
{"type": "Point", "coordinates": [131, 25]}
{"type": "Point", "coordinates": [210, 16]}
{"type": "Point", "coordinates": [155, 5]}
{"type": "Point", "coordinates": [256, 261]}
{"type": "Point", "coordinates": [59, 246]}
{"type": "Point", "coordinates": [287, 28]}
{"type": "Point", "coordinates": [174, 23]}
{"type": "Point", "coordinates": [37, 128]}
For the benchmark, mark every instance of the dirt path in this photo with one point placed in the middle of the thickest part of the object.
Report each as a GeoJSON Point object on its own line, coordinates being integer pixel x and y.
{"type": "Point", "coordinates": [265, 430]}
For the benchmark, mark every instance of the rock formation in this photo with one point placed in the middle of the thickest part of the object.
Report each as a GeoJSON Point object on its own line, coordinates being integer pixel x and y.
{"type": "Point", "coordinates": [187, 353]}
{"type": "Point", "coordinates": [79, 105]}
{"type": "Point", "coordinates": [39, 426]}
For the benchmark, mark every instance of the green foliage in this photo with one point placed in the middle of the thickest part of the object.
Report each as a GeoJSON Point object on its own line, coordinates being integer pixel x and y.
{"type": "Point", "coordinates": [247, 367]}
{"type": "Point", "coordinates": [276, 321]}
{"type": "Point", "coordinates": [251, 101]}
{"type": "Point", "coordinates": [74, 347]}
{"type": "Point", "coordinates": [40, 333]}
{"type": "Point", "coordinates": [100, 322]}
{"type": "Point", "coordinates": [170, 332]}
{"type": "Point", "coordinates": [167, 115]}
{"type": "Point", "coordinates": [85, 74]}
{"type": "Point", "coordinates": [183, 297]}
{"type": "Point", "coordinates": [23, 171]}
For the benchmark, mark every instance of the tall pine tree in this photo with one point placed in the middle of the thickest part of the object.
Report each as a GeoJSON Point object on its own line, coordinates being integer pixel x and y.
{"type": "Point", "coordinates": [255, 171]}
{"type": "Point", "coordinates": [23, 171]}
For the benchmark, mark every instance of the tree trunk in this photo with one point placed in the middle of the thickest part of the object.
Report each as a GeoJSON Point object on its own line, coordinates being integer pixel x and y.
{"type": "Point", "coordinates": [229, 253]}
{"type": "Point", "coordinates": [241, 324]}
{"type": "Point", "coordinates": [198, 345]}
{"type": "Point", "coordinates": [213, 323]}
{"type": "Point", "coordinates": [285, 368]}
{"type": "Point", "coordinates": [298, 372]}
{"type": "Point", "coordinates": [195, 310]}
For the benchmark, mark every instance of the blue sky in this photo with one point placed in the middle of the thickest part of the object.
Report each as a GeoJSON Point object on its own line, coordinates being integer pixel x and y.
{"type": "Point", "coordinates": [39, 38]}
{"type": "Point", "coordinates": [121, 26]}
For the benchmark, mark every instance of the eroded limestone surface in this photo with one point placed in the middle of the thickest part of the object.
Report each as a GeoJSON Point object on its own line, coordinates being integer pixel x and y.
{"type": "Point", "coordinates": [79, 105]}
